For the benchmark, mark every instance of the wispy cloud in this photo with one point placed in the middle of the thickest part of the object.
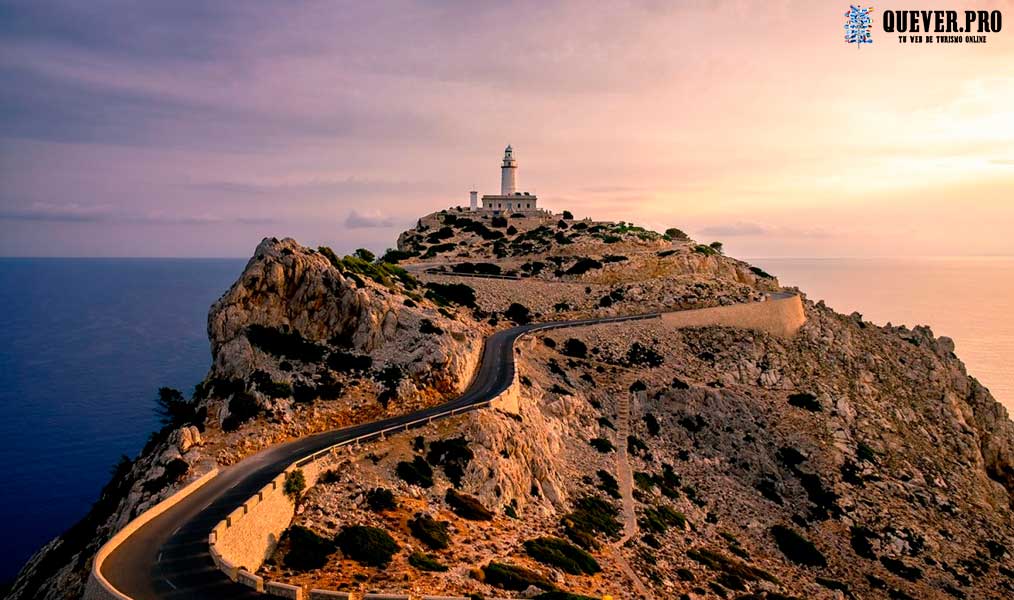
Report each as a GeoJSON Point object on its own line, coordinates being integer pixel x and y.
{"type": "Point", "coordinates": [76, 213]}
{"type": "Point", "coordinates": [735, 230]}
{"type": "Point", "coordinates": [746, 229]}
{"type": "Point", "coordinates": [368, 220]}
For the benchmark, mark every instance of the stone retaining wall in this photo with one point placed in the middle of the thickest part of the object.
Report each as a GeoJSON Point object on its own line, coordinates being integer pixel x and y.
{"type": "Point", "coordinates": [98, 587]}
{"type": "Point", "coordinates": [780, 316]}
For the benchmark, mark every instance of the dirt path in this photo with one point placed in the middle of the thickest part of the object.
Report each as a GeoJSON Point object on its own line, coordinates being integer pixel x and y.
{"type": "Point", "coordinates": [626, 481]}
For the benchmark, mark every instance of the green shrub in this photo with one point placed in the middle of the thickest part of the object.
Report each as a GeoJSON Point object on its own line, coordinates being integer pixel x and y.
{"type": "Point", "coordinates": [568, 215]}
{"type": "Point", "coordinates": [640, 355]}
{"type": "Point", "coordinates": [660, 518]}
{"type": "Point", "coordinates": [242, 408]}
{"type": "Point", "coordinates": [518, 313]}
{"type": "Point", "coordinates": [582, 266]}
{"type": "Point", "coordinates": [284, 344]}
{"type": "Point", "coordinates": [393, 256]}
{"type": "Point", "coordinates": [563, 555]}
{"type": "Point", "coordinates": [512, 577]}
{"type": "Point", "coordinates": [759, 272]}
{"type": "Point", "coordinates": [720, 562]}
{"type": "Point", "coordinates": [345, 362]}
{"type": "Point", "coordinates": [705, 250]}
{"type": "Point", "coordinates": [608, 484]}
{"type": "Point", "coordinates": [797, 548]}
{"type": "Point", "coordinates": [276, 389]}
{"type": "Point", "coordinates": [591, 515]}
{"type": "Point", "coordinates": [425, 562]}
{"type": "Point", "coordinates": [676, 234]}
{"type": "Point", "coordinates": [453, 455]}
{"type": "Point", "coordinates": [294, 484]}
{"type": "Point", "coordinates": [380, 499]}
{"type": "Point", "coordinates": [652, 424]}
{"type": "Point", "coordinates": [368, 545]}
{"type": "Point", "coordinates": [417, 472]}
{"type": "Point", "coordinates": [574, 347]}
{"type": "Point", "coordinates": [365, 254]}
{"type": "Point", "coordinates": [805, 400]}
{"type": "Point", "coordinates": [499, 222]}
{"type": "Point", "coordinates": [174, 410]}
{"type": "Point", "coordinates": [450, 293]}
{"type": "Point", "coordinates": [477, 268]}
{"type": "Point", "coordinates": [467, 507]}
{"type": "Point", "coordinates": [429, 531]}
{"type": "Point", "coordinates": [307, 550]}
{"type": "Point", "coordinates": [602, 445]}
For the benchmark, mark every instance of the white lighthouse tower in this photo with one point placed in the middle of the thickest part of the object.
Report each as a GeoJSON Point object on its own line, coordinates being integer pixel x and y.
{"type": "Point", "coordinates": [510, 199]}
{"type": "Point", "coordinates": [508, 173]}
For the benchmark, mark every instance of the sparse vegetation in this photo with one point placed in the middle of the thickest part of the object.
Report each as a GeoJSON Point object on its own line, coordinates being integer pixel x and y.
{"type": "Point", "coordinates": [518, 313]}
{"type": "Point", "coordinates": [368, 545]}
{"type": "Point", "coordinates": [417, 472]}
{"type": "Point", "coordinates": [591, 516]}
{"type": "Point", "coordinates": [797, 548]}
{"type": "Point", "coordinates": [805, 400]}
{"type": "Point", "coordinates": [380, 499]}
{"type": "Point", "coordinates": [294, 484]}
{"type": "Point", "coordinates": [284, 344]}
{"type": "Point", "coordinates": [512, 577]}
{"type": "Point", "coordinates": [307, 550]}
{"type": "Point", "coordinates": [453, 456]}
{"type": "Point", "coordinates": [602, 445]}
{"type": "Point", "coordinates": [444, 294]}
{"type": "Point", "coordinates": [425, 562]}
{"type": "Point", "coordinates": [563, 555]}
{"type": "Point", "coordinates": [429, 531]}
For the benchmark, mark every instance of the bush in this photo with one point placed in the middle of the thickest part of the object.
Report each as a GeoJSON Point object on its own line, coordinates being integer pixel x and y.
{"type": "Point", "coordinates": [591, 515]}
{"type": "Point", "coordinates": [429, 531]}
{"type": "Point", "coordinates": [365, 254]}
{"type": "Point", "coordinates": [562, 554]}
{"type": "Point", "coordinates": [639, 354]}
{"type": "Point", "coordinates": [582, 266]}
{"type": "Point", "coordinates": [477, 268]}
{"type": "Point", "coordinates": [498, 222]}
{"type": "Point", "coordinates": [676, 234]}
{"type": "Point", "coordinates": [451, 293]}
{"type": "Point", "coordinates": [568, 215]}
{"type": "Point", "coordinates": [174, 410]}
{"type": "Point", "coordinates": [368, 545]}
{"type": "Point", "coordinates": [417, 472]}
{"type": "Point", "coordinates": [512, 577]}
{"type": "Point", "coordinates": [705, 250]}
{"type": "Point", "coordinates": [602, 445]}
{"type": "Point", "coordinates": [393, 256]}
{"type": "Point", "coordinates": [346, 362]}
{"type": "Point", "coordinates": [720, 562]}
{"type": "Point", "coordinates": [760, 273]}
{"type": "Point", "coordinates": [805, 400]}
{"type": "Point", "coordinates": [608, 483]}
{"type": "Point", "coordinates": [652, 424]}
{"type": "Point", "coordinates": [307, 550]}
{"type": "Point", "coordinates": [467, 507]}
{"type": "Point", "coordinates": [453, 456]}
{"type": "Point", "coordinates": [797, 548]}
{"type": "Point", "coordinates": [242, 408]}
{"type": "Point", "coordinates": [574, 348]}
{"type": "Point", "coordinates": [518, 313]}
{"type": "Point", "coordinates": [660, 518]}
{"type": "Point", "coordinates": [294, 484]}
{"type": "Point", "coordinates": [275, 389]}
{"type": "Point", "coordinates": [425, 562]}
{"type": "Point", "coordinates": [284, 344]}
{"type": "Point", "coordinates": [380, 499]}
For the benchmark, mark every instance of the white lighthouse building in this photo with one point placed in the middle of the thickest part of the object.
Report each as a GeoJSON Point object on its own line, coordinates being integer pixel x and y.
{"type": "Point", "coordinates": [509, 198]}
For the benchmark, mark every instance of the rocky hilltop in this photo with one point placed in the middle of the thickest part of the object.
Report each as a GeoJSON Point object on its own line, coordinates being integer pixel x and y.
{"type": "Point", "coordinates": [848, 461]}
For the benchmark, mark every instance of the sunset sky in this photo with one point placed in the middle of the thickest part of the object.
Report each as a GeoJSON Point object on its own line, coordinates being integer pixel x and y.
{"type": "Point", "coordinates": [181, 129]}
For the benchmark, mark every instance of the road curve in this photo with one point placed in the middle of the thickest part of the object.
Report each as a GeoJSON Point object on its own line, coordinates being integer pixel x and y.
{"type": "Point", "coordinates": [168, 558]}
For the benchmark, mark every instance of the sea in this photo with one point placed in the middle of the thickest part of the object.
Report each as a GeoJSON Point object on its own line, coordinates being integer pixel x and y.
{"type": "Point", "coordinates": [86, 343]}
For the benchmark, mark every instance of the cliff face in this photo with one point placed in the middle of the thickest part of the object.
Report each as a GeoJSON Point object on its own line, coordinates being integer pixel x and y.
{"type": "Point", "coordinates": [848, 461]}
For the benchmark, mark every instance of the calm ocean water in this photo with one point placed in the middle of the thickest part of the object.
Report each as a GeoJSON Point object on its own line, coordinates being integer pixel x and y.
{"type": "Point", "coordinates": [86, 344]}
{"type": "Point", "coordinates": [88, 341]}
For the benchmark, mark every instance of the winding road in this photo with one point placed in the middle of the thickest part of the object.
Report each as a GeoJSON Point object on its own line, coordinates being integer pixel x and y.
{"type": "Point", "coordinates": [169, 556]}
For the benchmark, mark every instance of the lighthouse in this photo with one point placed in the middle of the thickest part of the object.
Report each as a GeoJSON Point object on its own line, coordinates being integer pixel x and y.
{"type": "Point", "coordinates": [509, 199]}
{"type": "Point", "coordinates": [508, 173]}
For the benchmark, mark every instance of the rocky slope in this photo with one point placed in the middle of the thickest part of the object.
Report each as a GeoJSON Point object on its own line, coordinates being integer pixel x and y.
{"type": "Point", "coordinates": [849, 461]}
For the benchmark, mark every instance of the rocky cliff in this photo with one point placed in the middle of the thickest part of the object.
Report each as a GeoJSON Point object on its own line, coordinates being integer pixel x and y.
{"type": "Point", "coordinates": [848, 461]}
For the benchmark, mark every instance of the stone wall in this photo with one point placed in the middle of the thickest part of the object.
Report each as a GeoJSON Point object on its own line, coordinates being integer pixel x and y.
{"type": "Point", "coordinates": [781, 315]}
{"type": "Point", "coordinates": [98, 587]}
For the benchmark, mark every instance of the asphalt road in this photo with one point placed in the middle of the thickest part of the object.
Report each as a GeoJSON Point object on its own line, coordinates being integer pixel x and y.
{"type": "Point", "coordinates": [169, 556]}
